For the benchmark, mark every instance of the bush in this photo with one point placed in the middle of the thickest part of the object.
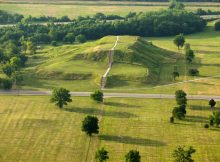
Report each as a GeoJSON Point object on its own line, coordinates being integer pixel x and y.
{"type": "Point", "coordinates": [211, 122]}
{"type": "Point", "coordinates": [97, 96]}
{"type": "Point", "coordinates": [217, 25]}
{"type": "Point", "coordinates": [206, 126]}
{"type": "Point", "coordinates": [54, 43]}
{"type": "Point", "coordinates": [171, 119]}
{"type": "Point", "coordinates": [193, 72]}
{"type": "Point", "coordinates": [6, 84]}
{"type": "Point", "coordinates": [81, 38]}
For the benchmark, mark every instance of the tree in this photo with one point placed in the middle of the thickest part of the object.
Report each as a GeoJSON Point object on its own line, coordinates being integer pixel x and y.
{"type": "Point", "coordinates": [61, 97]}
{"type": "Point", "coordinates": [179, 40]}
{"type": "Point", "coordinates": [176, 5]}
{"type": "Point", "coordinates": [215, 117]}
{"type": "Point", "coordinates": [187, 46]}
{"type": "Point", "coordinates": [181, 97]}
{"type": "Point", "coordinates": [8, 69]}
{"type": "Point", "coordinates": [217, 25]}
{"type": "Point", "coordinates": [193, 72]}
{"type": "Point", "coordinates": [183, 154]}
{"type": "Point", "coordinates": [6, 83]}
{"type": "Point", "coordinates": [31, 48]}
{"type": "Point", "coordinates": [212, 103]}
{"type": "Point", "coordinates": [81, 38]}
{"type": "Point", "coordinates": [175, 75]}
{"type": "Point", "coordinates": [189, 55]}
{"type": "Point", "coordinates": [97, 96]}
{"type": "Point", "coordinates": [177, 113]}
{"type": "Point", "coordinates": [16, 62]}
{"type": "Point", "coordinates": [90, 125]}
{"type": "Point", "coordinates": [101, 155]}
{"type": "Point", "coordinates": [133, 156]}
{"type": "Point", "coordinates": [69, 38]}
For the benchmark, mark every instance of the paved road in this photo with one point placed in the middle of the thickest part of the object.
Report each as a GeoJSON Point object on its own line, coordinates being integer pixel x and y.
{"type": "Point", "coordinates": [107, 95]}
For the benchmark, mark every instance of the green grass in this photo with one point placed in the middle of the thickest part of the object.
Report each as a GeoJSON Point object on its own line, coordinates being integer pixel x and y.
{"type": "Point", "coordinates": [33, 129]}
{"type": "Point", "coordinates": [80, 8]}
{"type": "Point", "coordinates": [81, 66]}
{"type": "Point", "coordinates": [56, 66]}
{"type": "Point", "coordinates": [207, 51]}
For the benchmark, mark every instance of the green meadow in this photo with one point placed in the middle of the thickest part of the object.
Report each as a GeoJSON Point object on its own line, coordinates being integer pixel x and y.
{"type": "Point", "coordinates": [33, 129]}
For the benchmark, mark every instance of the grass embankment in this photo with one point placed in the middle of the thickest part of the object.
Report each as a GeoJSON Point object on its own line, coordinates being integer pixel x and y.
{"type": "Point", "coordinates": [33, 129]}
{"type": "Point", "coordinates": [74, 9]}
{"type": "Point", "coordinates": [207, 51]}
{"type": "Point", "coordinates": [138, 63]}
{"type": "Point", "coordinates": [80, 67]}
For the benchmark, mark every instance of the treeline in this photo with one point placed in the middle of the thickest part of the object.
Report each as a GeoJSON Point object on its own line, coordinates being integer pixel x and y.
{"type": "Point", "coordinates": [201, 12]}
{"type": "Point", "coordinates": [6, 18]}
{"type": "Point", "coordinates": [162, 23]}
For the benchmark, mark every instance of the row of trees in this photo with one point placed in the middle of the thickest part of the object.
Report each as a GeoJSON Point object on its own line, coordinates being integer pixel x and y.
{"type": "Point", "coordinates": [180, 154]}
{"type": "Point", "coordinates": [179, 41]}
{"type": "Point", "coordinates": [12, 59]}
{"type": "Point", "coordinates": [6, 18]}
{"type": "Point", "coordinates": [161, 23]}
{"type": "Point", "coordinates": [179, 111]}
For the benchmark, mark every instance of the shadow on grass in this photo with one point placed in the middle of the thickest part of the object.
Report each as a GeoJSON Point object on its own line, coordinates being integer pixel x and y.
{"type": "Point", "coordinates": [215, 129]}
{"type": "Point", "coordinates": [131, 140]}
{"type": "Point", "coordinates": [203, 108]}
{"type": "Point", "coordinates": [199, 119]}
{"type": "Point", "coordinates": [195, 107]}
{"type": "Point", "coordinates": [117, 104]}
{"type": "Point", "coordinates": [93, 111]}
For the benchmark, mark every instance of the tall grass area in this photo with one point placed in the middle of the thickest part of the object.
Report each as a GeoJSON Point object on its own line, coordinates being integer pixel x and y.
{"type": "Point", "coordinates": [33, 129]}
{"type": "Point", "coordinates": [82, 8]}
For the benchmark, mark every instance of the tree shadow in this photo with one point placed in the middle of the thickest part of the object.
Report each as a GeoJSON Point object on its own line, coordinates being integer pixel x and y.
{"type": "Point", "coordinates": [203, 108]}
{"type": "Point", "coordinates": [117, 104]}
{"type": "Point", "coordinates": [93, 111]}
{"type": "Point", "coordinates": [197, 119]}
{"type": "Point", "coordinates": [131, 140]}
{"type": "Point", "coordinates": [215, 129]}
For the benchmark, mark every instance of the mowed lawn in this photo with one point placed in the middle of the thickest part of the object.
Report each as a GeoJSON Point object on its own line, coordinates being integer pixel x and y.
{"type": "Point", "coordinates": [33, 129]}
{"type": "Point", "coordinates": [74, 9]}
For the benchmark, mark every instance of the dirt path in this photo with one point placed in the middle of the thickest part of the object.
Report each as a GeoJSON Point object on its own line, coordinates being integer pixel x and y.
{"type": "Point", "coordinates": [111, 54]}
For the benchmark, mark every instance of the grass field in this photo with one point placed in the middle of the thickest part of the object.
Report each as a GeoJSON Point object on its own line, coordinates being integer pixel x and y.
{"type": "Point", "coordinates": [32, 129]}
{"type": "Point", "coordinates": [207, 51]}
{"type": "Point", "coordinates": [55, 66]}
{"type": "Point", "coordinates": [74, 9]}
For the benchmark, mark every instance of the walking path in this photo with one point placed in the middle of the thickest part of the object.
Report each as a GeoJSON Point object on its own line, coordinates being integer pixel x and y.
{"type": "Point", "coordinates": [110, 56]}
{"type": "Point", "coordinates": [109, 95]}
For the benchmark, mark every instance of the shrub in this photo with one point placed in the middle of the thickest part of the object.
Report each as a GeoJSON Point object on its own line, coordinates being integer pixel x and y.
{"type": "Point", "coordinates": [211, 122]}
{"type": "Point", "coordinates": [171, 119]}
{"type": "Point", "coordinates": [54, 43]}
{"type": "Point", "coordinates": [97, 96]}
{"type": "Point", "coordinates": [217, 25]}
{"type": "Point", "coordinates": [206, 126]}
{"type": "Point", "coordinates": [193, 72]}
{"type": "Point", "coordinates": [6, 84]}
{"type": "Point", "coordinates": [81, 38]}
